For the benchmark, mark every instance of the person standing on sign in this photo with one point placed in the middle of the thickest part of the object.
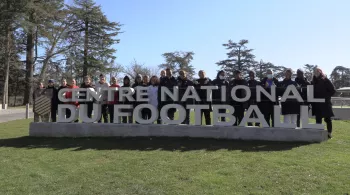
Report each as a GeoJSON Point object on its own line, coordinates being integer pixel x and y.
{"type": "Point", "coordinates": [183, 82]}
{"type": "Point", "coordinates": [114, 83]}
{"type": "Point", "coordinates": [240, 93]}
{"type": "Point", "coordinates": [154, 94]}
{"type": "Point", "coordinates": [291, 107]}
{"type": "Point", "coordinates": [127, 119]}
{"type": "Point", "coordinates": [220, 82]}
{"type": "Point", "coordinates": [72, 85]}
{"type": "Point", "coordinates": [169, 82]}
{"type": "Point", "coordinates": [54, 100]}
{"type": "Point", "coordinates": [203, 81]}
{"type": "Point", "coordinates": [87, 85]}
{"type": "Point", "coordinates": [103, 85]}
{"type": "Point", "coordinates": [302, 84]}
{"type": "Point", "coordinates": [37, 117]}
{"type": "Point", "coordinates": [252, 83]}
{"type": "Point", "coordinates": [323, 89]}
{"type": "Point", "coordinates": [266, 106]}
{"type": "Point", "coordinates": [146, 113]}
{"type": "Point", "coordinates": [138, 82]}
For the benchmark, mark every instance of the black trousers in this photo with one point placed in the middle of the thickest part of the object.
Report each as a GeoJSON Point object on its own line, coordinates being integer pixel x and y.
{"type": "Point", "coordinates": [187, 116]}
{"type": "Point", "coordinates": [53, 114]}
{"type": "Point", "coordinates": [255, 116]}
{"type": "Point", "coordinates": [328, 121]}
{"type": "Point", "coordinates": [146, 113]}
{"type": "Point", "coordinates": [104, 111]}
{"type": "Point", "coordinates": [267, 110]}
{"type": "Point", "coordinates": [111, 112]}
{"type": "Point", "coordinates": [239, 114]}
{"type": "Point", "coordinates": [206, 114]}
{"type": "Point", "coordinates": [89, 108]}
{"type": "Point", "coordinates": [69, 113]}
{"type": "Point", "coordinates": [128, 119]}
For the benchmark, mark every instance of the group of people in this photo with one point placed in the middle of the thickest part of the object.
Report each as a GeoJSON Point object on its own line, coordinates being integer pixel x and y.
{"type": "Point", "coordinates": [323, 88]}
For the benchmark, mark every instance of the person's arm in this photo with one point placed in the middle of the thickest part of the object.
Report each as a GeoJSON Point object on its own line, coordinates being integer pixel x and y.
{"type": "Point", "coordinates": [329, 88]}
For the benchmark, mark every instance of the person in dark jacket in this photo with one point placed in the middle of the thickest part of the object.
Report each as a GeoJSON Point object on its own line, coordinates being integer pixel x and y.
{"type": "Point", "coordinates": [220, 81]}
{"type": "Point", "coordinates": [146, 113]}
{"type": "Point", "coordinates": [54, 100]}
{"type": "Point", "coordinates": [324, 89]}
{"type": "Point", "coordinates": [183, 83]}
{"type": "Point", "coordinates": [169, 82]}
{"type": "Point", "coordinates": [302, 84]}
{"type": "Point", "coordinates": [63, 85]}
{"type": "Point", "coordinates": [266, 106]}
{"type": "Point", "coordinates": [252, 83]}
{"type": "Point", "coordinates": [291, 107]}
{"type": "Point", "coordinates": [87, 84]}
{"type": "Point", "coordinates": [203, 81]}
{"type": "Point", "coordinates": [114, 84]}
{"type": "Point", "coordinates": [240, 93]}
{"type": "Point", "coordinates": [127, 119]}
{"type": "Point", "coordinates": [138, 82]}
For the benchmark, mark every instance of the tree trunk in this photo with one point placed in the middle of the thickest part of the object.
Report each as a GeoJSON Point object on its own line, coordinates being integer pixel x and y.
{"type": "Point", "coordinates": [5, 97]}
{"type": "Point", "coordinates": [29, 64]}
{"type": "Point", "coordinates": [86, 47]}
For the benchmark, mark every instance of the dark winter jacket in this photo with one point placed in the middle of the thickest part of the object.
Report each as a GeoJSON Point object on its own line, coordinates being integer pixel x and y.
{"type": "Point", "coordinates": [202, 92]}
{"type": "Point", "coordinates": [126, 101]}
{"type": "Point", "coordinates": [252, 85]}
{"type": "Point", "coordinates": [183, 84]}
{"type": "Point", "coordinates": [323, 89]}
{"type": "Point", "coordinates": [268, 89]}
{"type": "Point", "coordinates": [302, 87]}
{"type": "Point", "coordinates": [290, 106]}
{"type": "Point", "coordinates": [240, 93]}
{"type": "Point", "coordinates": [216, 94]}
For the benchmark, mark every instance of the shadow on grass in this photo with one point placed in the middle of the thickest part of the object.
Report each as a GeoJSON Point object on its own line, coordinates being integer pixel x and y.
{"type": "Point", "coordinates": [148, 144]}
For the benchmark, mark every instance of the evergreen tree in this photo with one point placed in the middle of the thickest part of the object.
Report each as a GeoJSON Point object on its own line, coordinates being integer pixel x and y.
{"type": "Point", "coordinates": [95, 35]}
{"type": "Point", "coordinates": [177, 61]}
{"type": "Point", "coordinates": [239, 57]}
{"type": "Point", "coordinates": [309, 71]}
{"type": "Point", "coordinates": [340, 77]}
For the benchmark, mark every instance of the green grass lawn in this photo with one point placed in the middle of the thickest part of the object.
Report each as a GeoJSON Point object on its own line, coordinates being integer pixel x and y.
{"type": "Point", "coordinates": [171, 166]}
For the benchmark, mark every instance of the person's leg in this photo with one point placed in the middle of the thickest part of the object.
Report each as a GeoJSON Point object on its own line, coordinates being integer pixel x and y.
{"type": "Point", "coordinates": [294, 118]}
{"type": "Point", "coordinates": [68, 113]}
{"type": "Point", "coordinates": [272, 115]}
{"type": "Point", "coordinates": [187, 118]}
{"type": "Point", "coordinates": [53, 114]}
{"type": "Point", "coordinates": [111, 113]}
{"type": "Point", "coordinates": [318, 119]}
{"type": "Point", "coordinates": [36, 117]}
{"type": "Point", "coordinates": [298, 120]}
{"type": "Point", "coordinates": [171, 113]}
{"type": "Point", "coordinates": [105, 116]}
{"type": "Point", "coordinates": [90, 108]}
{"type": "Point", "coordinates": [328, 121]}
{"type": "Point", "coordinates": [124, 119]}
{"type": "Point", "coordinates": [207, 117]}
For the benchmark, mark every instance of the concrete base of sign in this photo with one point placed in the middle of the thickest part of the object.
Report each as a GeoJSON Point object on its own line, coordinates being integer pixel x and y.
{"type": "Point", "coordinates": [152, 130]}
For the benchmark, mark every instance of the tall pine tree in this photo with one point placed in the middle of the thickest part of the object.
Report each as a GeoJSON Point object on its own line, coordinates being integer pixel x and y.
{"type": "Point", "coordinates": [96, 36]}
{"type": "Point", "coordinates": [177, 61]}
{"type": "Point", "coordinates": [239, 57]}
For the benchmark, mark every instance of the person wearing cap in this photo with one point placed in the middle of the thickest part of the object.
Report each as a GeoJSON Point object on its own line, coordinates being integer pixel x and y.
{"type": "Point", "coordinates": [252, 83]}
{"type": "Point", "coordinates": [102, 85]}
{"type": "Point", "coordinates": [240, 93]}
{"type": "Point", "coordinates": [54, 99]}
{"type": "Point", "coordinates": [302, 84]}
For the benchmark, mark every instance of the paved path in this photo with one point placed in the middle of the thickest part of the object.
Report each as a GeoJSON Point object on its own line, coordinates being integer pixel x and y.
{"type": "Point", "coordinates": [14, 114]}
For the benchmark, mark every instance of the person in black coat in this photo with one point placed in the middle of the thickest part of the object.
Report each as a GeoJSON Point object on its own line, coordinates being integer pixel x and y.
{"type": "Point", "coordinates": [54, 100]}
{"type": "Point", "coordinates": [302, 84]}
{"type": "Point", "coordinates": [169, 82]}
{"type": "Point", "coordinates": [252, 83]}
{"type": "Point", "coordinates": [240, 93]}
{"type": "Point", "coordinates": [183, 83]}
{"type": "Point", "coordinates": [324, 89]}
{"type": "Point", "coordinates": [203, 81]}
{"type": "Point", "coordinates": [266, 106]}
{"type": "Point", "coordinates": [138, 82]}
{"type": "Point", "coordinates": [87, 84]}
{"type": "Point", "coordinates": [220, 81]}
{"type": "Point", "coordinates": [127, 119]}
{"type": "Point", "coordinates": [291, 107]}
{"type": "Point", "coordinates": [146, 113]}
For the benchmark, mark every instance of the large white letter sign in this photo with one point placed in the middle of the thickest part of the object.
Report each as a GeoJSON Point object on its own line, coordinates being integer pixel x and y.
{"type": "Point", "coordinates": [209, 90]}
{"type": "Point", "coordinates": [77, 96]}
{"type": "Point", "coordinates": [83, 113]}
{"type": "Point", "coordinates": [277, 119]}
{"type": "Point", "coordinates": [62, 95]}
{"type": "Point", "coordinates": [310, 95]}
{"type": "Point", "coordinates": [198, 112]}
{"type": "Point", "coordinates": [247, 117]}
{"type": "Point", "coordinates": [139, 119]}
{"type": "Point", "coordinates": [111, 91]}
{"type": "Point", "coordinates": [229, 115]}
{"type": "Point", "coordinates": [164, 114]}
{"type": "Point", "coordinates": [243, 87]}
{"type": "Point", "coordinates": [118, 111]}
{"type": "Point", "coordinates": [140, 93]}
{"type": "Point", "coordinates": [304, 118]}
{"type": "Point", "coordinates": [128, 95]}
{"type": "Point", "coordinates": [295, 94]}
{"type": "Point", "coordinates": [223, 93]}
{"type": "Point", "coordinates": [260, 89]}
{"type": "Point", "coordinates": [91, 94]}
{"type": "Point", "coordinates": [165, 91]}
{"type": "Point", "coordinates": [62, 112]}
{"type": "Point", "coordinates": [194, 95]}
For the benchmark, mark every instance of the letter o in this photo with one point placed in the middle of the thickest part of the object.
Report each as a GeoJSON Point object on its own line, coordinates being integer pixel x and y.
{"type": "Point", "coordinates": [164, 114]}
{"type": "Point", "coordinates": [139, 119]}
{"type": "Point", "coordinates": [247, 96]}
